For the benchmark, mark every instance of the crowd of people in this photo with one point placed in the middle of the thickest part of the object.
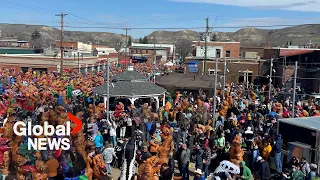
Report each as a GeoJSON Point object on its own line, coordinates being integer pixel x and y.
{"type": "Point", "coordinates": [234, 143]}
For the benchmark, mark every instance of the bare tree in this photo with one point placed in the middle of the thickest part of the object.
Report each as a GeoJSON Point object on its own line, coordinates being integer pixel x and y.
{"type": "Point", "coordinates": [183, 47]}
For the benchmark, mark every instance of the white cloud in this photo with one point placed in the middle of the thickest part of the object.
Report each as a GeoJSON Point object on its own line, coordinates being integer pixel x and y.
{"type": "Point", "coordinates": [264, 23]}
{"type": "Point", "coordinates": [295, 5]}
{"type": "Point", "coordinates": [270, 21]}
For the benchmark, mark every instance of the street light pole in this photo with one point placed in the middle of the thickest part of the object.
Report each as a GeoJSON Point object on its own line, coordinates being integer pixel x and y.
{"type": "Point", "coordinates": [78, 62]}
{"type": "Point", "coordinates": [270, 78]}
{"type": "Point", "coordinates": [215, 92]}
{"type": "Point", "coordinates": [108, 93]}
{"type": "Point", "coordinates": [155, 59]}
{"type": "Point", "coordinates": [224, 77]}
{"type": "Point", "coordinates": [294, 87]}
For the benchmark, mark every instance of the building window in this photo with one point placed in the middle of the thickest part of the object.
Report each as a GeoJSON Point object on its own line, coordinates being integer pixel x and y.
{"type": "Point", "coordinates": [146, 51]}
{"type": "Point", "coordinates": [140, 51]}
{"type": "Point", "coordinates": [227, 53]}
{"type": "Point", "coordinates": [218, 53]}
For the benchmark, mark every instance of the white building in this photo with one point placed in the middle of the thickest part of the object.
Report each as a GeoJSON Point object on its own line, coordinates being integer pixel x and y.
{"type": "Point", "coordinates": [103, 51]}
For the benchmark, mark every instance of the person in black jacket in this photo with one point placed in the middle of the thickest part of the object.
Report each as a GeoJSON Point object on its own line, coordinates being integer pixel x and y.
{"type": "Point", "coordinates": [199, 157]}
{"type": "Point", "coordinates": [285, 174]}
{"type": "Point", "coordinates": [264, 169]}
{"type": "Point", "coordinates": [166, 172]}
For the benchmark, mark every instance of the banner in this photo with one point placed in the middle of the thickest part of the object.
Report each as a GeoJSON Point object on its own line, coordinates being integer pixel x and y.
{"type": "Point", "coordinates": [193, 66]}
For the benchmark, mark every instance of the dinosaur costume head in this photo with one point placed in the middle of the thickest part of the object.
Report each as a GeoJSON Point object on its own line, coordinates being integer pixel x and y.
{"type": "Point", "coordinates": [99, 167]}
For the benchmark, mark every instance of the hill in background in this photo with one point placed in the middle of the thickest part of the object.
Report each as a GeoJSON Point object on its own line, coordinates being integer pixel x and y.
{"type": "Point", "coordinates": [298, 35]}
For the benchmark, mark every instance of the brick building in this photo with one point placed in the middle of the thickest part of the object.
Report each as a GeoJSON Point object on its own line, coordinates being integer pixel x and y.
{"type": "Point", "coordinates": [240, 70]}
{"type": "Point", "coordinates": [148, 54]}
{"type": "Point", "coordinates": [43, 63]}
{"type": "Point", "coordinates": [308, 71]}
{"type": "Point", "coordinates": [252, 52]}
{"type": "Point", "coordinates": [216, 49]}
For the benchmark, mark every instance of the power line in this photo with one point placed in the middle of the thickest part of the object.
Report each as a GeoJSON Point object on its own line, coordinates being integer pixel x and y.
{"type": "Point", "coordinates": [175, 28]}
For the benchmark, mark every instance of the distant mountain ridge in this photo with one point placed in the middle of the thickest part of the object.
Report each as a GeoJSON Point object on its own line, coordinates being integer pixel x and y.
{"type": "Point", "coordinates": [297, 35]}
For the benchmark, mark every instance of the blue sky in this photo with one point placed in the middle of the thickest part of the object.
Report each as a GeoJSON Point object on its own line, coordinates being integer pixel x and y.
{"type": "Point", "coordinates": [160, 13]}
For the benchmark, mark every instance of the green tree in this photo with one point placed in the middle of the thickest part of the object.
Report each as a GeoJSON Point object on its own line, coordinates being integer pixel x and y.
{"type": "Point", "coordinates": [35, 35]}
{"type": "Point", "coordinates": [36, 39]}
{"type": "Point", "coordinates": [140, 40]}
{"type": "Point", "coordinates": [214, 37]}
{"type": "Point", "coordinates": [145, 40]}
{"type": "Point", "coordinates": [130, 41]}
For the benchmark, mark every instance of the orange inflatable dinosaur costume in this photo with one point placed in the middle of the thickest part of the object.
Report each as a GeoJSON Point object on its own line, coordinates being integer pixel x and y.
{"type": "Point", "coordinates": [224, 108]}
{"type": "Point", "coordinates": [236, 152]}
{"type": "Point", "coordinates": [165, 147]}
{"type": "Point", "coordinates": [151, 168]}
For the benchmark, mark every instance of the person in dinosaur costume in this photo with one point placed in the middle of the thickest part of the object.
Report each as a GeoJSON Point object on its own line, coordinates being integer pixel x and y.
{"type": "Point", "coordinates": [146, 111]}
{"type": "Point", "coordinates": [277, 107]}
{"type": "Point", "coordinates": [18, 160]}
{"type": "Point", "coordinates": [4, 156]}
{"type": "Point", "coordinates": [199, 106]}
{"type": "Point", "coordinates": [151, 169]}
{"type": "Point", "coordinates": [41, 171]}
{"type": "Point", "coordinates": [154, 144]}
{"type": "Point", "coordinates": [80, 144]}
{"type": "Point", "coordinates": [99, 167]}
{"type": "Point", "coordinates": [185, 105]}
{"type": "Point", "coordinates": [253, 95]}
{"type": "Point", "coordinates": [118, 112]}
{"type": "Point", "coordinates": [236, 152]}
{"type": "Point", "coordinates": [167, 108]}
{"type": "Point", "coordinates": [228, 97]}
{"type": "Point", "coordinates": [224, 108]}
{"type": "Point", "coordinates": [8, 127]}
{"type": "Point", "coordinates": [165, 147]}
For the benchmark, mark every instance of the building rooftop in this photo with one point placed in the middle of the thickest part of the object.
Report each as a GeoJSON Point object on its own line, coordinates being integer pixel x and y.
{"type": "Point", "coordinates": [306, 122]}
{"type": "Point", "coordinates": [197, 58]}
{"type": "Point", "coordinates": [294, 52]}
{"type": "Point", "coordinates": [130, 89]}
{"type": "Point", "coordinates": [186, 81]}
{"type": "Point", "coordinates": [230, 42]}
{"type": "Point", "coordinates": [130, 76]}
{"type": "Point", "coordinates": [146, 47]}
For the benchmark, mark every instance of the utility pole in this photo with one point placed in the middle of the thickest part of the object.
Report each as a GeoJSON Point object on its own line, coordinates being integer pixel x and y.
{"type": "Point", "coordinates": [247, 79]}
{"type": "Point", "coordinates": [78, 62]}
{"type": "Point", "coordinates": [214, 93]}
{"type": "Point", "coordinates": [108, 93]}
{"type": "Point", "coordinates": [224, 77]}
{"type": "Point", "coordinates": [154, 59]}
{"type": "Point", "coordinates": [270, 78]}
{"type": "Point", "coordinates": [294, 88]}
{"type": "Point", "coordinates": [61, 39]}
{"type": "Point", "coordinates": [173, 52]}
{"type": "Point", "coordinates": [125, 55]}
{"type": "Point", "coordinates": [206, 47]}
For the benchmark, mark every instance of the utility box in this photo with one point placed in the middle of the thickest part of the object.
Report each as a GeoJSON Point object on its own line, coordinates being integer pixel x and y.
{"type": "Point", "coordinates": [299, 150]}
